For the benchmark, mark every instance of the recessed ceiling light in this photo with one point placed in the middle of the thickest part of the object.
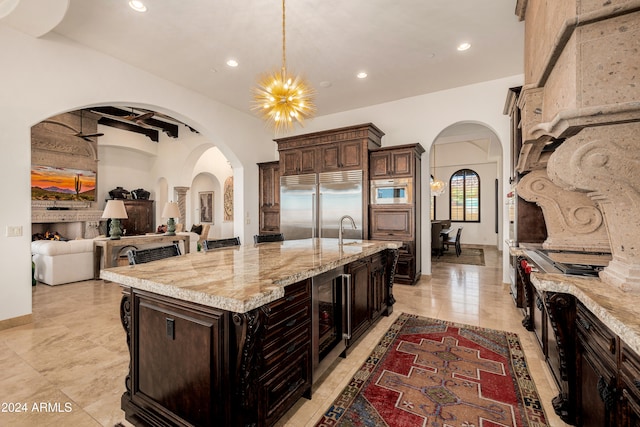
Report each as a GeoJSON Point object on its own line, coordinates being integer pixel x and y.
{"type": "Point", "coordinates": [361, 75]}
{"type": "Point", "coordinates": [464, 46]}
{"type": "Point", "coordinates": [325, 83]}
{"type": "Point", "coordinates": [232, 63]}
{"type": "Point", "coordinates": [137, 5]}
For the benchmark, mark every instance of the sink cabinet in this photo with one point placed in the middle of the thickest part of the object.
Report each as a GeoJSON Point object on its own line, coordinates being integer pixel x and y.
{"type": "Point", "coordinates": [191, 364]}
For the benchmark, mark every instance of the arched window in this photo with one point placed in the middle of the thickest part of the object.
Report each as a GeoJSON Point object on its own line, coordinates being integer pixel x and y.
{"type": "Point", "coordinates": [464, 196]}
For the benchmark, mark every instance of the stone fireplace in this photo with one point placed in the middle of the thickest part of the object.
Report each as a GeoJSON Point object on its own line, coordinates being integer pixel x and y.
{"type": "Point", "coordinates": [55, 144]}
{"type": "Point", "coordinates": [72, 220]}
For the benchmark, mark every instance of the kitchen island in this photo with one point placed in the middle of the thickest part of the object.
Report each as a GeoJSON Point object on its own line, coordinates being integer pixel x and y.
{"type": "Point", "coordinates": [225, 337]}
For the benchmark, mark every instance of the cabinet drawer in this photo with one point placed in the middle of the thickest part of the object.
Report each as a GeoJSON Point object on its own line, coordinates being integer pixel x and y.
{"type": "Point", "coordinates": [279, 391]}
{"type": "Point", "coordinates": [293, 295]}
{"type": "Point", "coordinates": [630, 370]}
{"type": "Point", "coordinates": [283, 321]}
{"type": "Point", "coordinates": [596, 336]}
{"type": "Point", "coordinates": [282, 346]}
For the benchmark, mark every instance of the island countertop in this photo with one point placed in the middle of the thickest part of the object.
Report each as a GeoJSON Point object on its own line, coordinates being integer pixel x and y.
{"type": "Point", "coordinates": [242, 278]}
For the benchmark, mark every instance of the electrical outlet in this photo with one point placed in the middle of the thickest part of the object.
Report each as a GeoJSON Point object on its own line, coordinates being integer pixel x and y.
{"type": "Point", "coordinates": [14, 230]}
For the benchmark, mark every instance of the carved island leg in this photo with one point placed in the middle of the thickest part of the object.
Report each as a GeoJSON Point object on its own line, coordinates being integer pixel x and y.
{"type": "Point", "coordinates": [248, 335]}
{"type": "Point", "coordinates": [125, 319]}
{"type": "Point", "coordinates": [392, 261]}
{"type": "Point", "coordinates": [561, 311]}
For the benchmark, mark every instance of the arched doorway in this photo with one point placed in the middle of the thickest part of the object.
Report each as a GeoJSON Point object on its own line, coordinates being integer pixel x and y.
{"type": "Point", "coordinates": [474, 147]}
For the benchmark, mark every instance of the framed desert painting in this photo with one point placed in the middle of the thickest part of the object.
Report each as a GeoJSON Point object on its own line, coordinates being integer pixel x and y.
{"type": "Point", "coordinates": [50, 183]}
{"type": "Point", "coordinates": [206, 207]}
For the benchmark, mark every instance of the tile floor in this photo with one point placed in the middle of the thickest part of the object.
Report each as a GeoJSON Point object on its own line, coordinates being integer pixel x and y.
{"type": "Point", "coordinates": [68, 366]}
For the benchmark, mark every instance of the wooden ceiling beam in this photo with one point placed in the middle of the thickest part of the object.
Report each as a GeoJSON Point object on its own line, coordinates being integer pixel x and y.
{"type": "Point", "coordinates": [170, 129]}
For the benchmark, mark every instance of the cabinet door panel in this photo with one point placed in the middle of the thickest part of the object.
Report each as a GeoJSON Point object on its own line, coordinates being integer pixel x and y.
{"type": "Point", "coordinates": [359, 271]}
{"type": "Point", "coordinates": [330, 157]}
{"type": "Point", "coordinates": [402, 163]}
{"type": "Point", "coordinates": [308, 160]}
{"type": "Point", "coordinates": [290, 162]}
{"type": "Point", "coordinates": [396, 222]}
{"type": "Point", "coordinates": [379, 165]}
{"type": "Point", "coordinates": [178, 361]}
{"type": "Point", "coordinates": [351, 155]}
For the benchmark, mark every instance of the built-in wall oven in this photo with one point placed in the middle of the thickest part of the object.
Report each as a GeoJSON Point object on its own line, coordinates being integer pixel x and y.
{"type": "Point", "coordinates": [391, 191]}
{"type": "Point", "coordinates": [331, 302]}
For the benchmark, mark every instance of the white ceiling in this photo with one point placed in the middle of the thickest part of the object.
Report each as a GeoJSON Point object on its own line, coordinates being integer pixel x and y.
{"type": "Point", "coordinates": [407, 47]}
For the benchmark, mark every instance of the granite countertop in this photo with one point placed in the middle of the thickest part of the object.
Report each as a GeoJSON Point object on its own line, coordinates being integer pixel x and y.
{"type": "Point", "coordinates": [618, 310]}
{"type": "Point", "coordinates": [242, 278]}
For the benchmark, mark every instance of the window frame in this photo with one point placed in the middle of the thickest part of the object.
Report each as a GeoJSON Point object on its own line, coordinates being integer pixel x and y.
{"type": "Point", "coordinates": [465, 173]}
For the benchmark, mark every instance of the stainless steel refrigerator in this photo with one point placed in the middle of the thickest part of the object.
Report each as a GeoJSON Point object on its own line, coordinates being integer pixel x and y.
{"type": "Point", "coordinates": [311, 205]}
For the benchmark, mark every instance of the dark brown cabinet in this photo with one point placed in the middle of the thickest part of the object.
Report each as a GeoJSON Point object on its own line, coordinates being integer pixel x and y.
{"type": "Point", "coordinates": [360, 289]}
{"type": "Point", "coordinates": [328, 151]}
{"type": "Point", "coordinates": [298, 161]}
{"type": "Point", "coordinates": [397, 163]}
{"type": "Point", "coordinates": [378, 287]}
{"type": "Point", "coordinates": [342, 156]}
{"type": "Point", "coordinates": [597, 371]}
{"type": "Point", "coordinates": [196, 365]}
{"type": "Point", "coordinates": [141, 218]}
{"type": "Point", "coordinates": [370, 293]}
{"type": "Point", "coordinates": [168, 337]}
{"type": "Point", "coordinates": [528, 224]}
{"type": "Point", "coordinates": [286, 361]}
{"type": "Point", "coordinates": [400, 222]}
{"type": "Point", "coordinates": [269, 197]}
{"type": "Point", "coordinates": [630, 386]}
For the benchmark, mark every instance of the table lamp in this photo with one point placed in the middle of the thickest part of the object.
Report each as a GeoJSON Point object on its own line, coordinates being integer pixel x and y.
{"type": "Point", "coordinates": [171, 211]}
{"type": "Point", "coordinates": [115, 211]}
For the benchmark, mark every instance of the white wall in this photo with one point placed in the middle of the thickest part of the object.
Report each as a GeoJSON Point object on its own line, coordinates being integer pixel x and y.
{"type": "Point", "coordinates": [52, 75]}
{"type": "Point", "coordinates": [47, 76]}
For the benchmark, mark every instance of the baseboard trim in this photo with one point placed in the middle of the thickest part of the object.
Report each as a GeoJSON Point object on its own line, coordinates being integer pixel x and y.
{"type": "Point", "coordinates": [15, 321]}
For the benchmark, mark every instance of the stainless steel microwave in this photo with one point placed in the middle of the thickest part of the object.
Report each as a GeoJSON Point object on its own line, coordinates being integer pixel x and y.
{"type": "Point", "coordinates": [392, 191]}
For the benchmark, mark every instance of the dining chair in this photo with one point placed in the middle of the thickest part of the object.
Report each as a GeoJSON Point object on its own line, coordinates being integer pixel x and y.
{"type": "Point", "coordinates": [261, 238]}
{"type": "Point", "coordinates": [455, 242]}
{"type": "Point", "coordinates": [221, 243]}
{"type": "Point", "coordinates": [153, 254]}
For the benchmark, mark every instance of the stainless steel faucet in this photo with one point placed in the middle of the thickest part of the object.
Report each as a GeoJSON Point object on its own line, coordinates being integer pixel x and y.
{"type": "Point", "coordinates": [341, 228]}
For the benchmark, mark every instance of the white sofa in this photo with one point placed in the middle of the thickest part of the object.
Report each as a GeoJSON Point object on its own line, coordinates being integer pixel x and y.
{"type": "Point", "coordinates": [59, 262]}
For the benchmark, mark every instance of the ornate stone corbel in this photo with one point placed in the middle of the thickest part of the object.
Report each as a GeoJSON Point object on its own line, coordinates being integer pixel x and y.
{"type": "Point", "coordinates": [573, 220]}
{"type": "Point", "coordinates": [604, 161]}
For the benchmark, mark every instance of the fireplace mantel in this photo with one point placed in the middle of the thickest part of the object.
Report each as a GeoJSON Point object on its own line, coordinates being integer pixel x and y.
{"type": "Point", "coordinates": [39, 216]}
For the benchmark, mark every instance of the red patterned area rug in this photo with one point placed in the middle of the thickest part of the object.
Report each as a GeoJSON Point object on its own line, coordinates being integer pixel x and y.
{"type": "Point", "coordinates": [433, 373]}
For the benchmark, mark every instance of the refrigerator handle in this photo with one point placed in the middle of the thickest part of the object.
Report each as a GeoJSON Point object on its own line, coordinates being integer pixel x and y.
{"type": "Point", "coordinates": [319, 211]}
{"type": "Point", "coordinates": [346, 306]}
{"type": "Point", "coordinates": [314, 212]}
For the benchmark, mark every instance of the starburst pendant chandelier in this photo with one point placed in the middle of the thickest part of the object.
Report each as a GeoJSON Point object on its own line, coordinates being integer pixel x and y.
{"type": "Point", "coordinates": [280, 99]}
{"type": "Point", "coordinates": [437, 186]}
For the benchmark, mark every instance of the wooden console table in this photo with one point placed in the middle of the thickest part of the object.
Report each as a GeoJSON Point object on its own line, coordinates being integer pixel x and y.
{"type": "Point", "coordinates": [103, 248]}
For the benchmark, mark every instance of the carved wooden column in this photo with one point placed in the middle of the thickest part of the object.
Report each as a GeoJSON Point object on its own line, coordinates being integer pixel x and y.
{"type": "Point", "coordinates": [181, 192]}
{"type": "Point", "coordinates": [573, 220]}
{"type": "Point", "coordinates": [604, 161]}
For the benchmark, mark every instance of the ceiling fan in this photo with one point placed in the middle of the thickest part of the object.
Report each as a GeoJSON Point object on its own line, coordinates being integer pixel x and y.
{"type": "Point", "coordinates": [86, 136]}
{"type": "Point", "coordinates": [139, 119]}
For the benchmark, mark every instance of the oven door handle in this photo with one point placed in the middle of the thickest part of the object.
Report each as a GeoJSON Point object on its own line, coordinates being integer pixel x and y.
{"type": "Point", "coordinates": [346, 304]}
